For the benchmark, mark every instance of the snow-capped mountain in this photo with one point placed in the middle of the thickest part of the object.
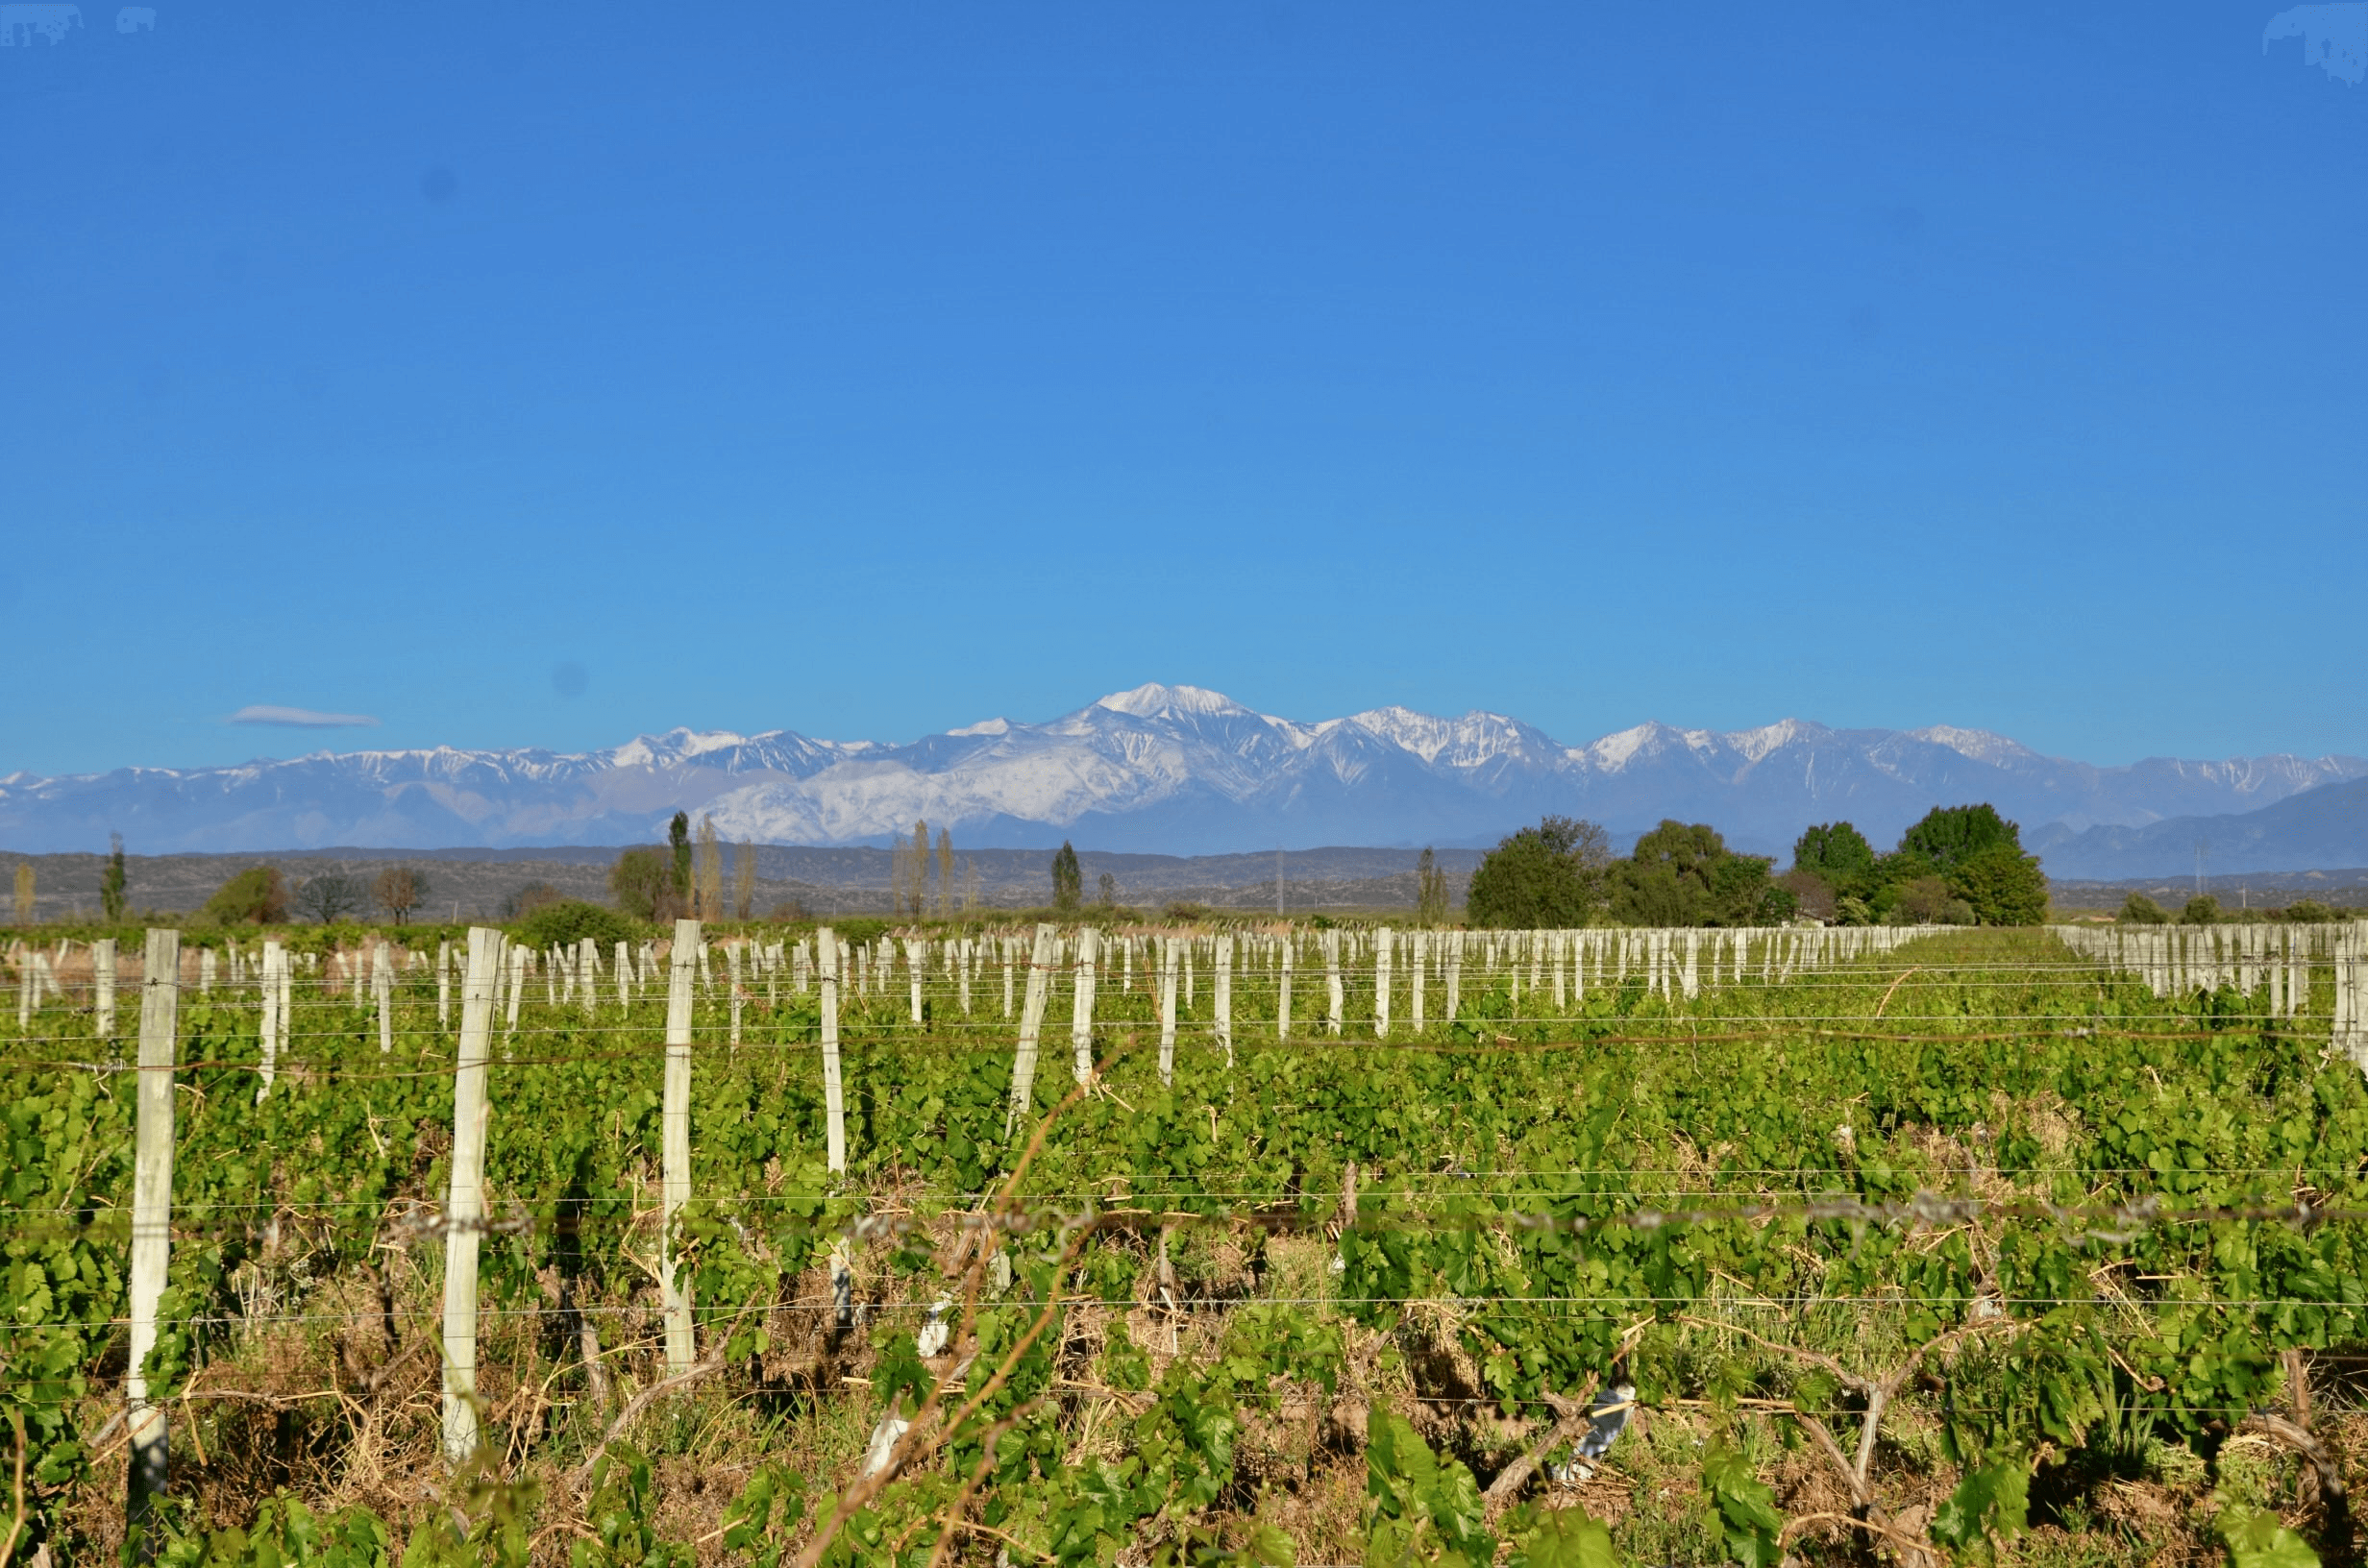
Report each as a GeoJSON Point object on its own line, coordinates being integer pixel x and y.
{"type": "Point", "coordinates": [1170, 768]}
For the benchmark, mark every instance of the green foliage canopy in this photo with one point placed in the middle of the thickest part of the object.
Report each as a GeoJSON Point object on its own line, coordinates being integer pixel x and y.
{"type": "Point", "coordinates": [1683, 873]}
{"type": "Point", "coordinates": [1948, 836]}
{"type": "Point", "coordinates": [256, 896]}
{"type": "Point", "coordinates": [1067, 879]}
{"type": "Point", "coordinates": [1548, 875]}
{"type": "Point", "coordinates": [1840, 855]}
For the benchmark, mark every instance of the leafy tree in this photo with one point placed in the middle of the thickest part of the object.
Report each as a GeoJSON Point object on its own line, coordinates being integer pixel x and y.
{"type": "Point", "coordinates": [1108, 888]}
{"type": "Point", "coordinates": [1548, 875]}
{"type": "Point", "coordinates": [1683, 873]}
{"type": "Point", "coordinates": [2002, 886]}
{"type": "Point", "coordinates": [2304, 911]}
{"type": "Point", "coordinates": [1838, 854]}
{"type": "Point", "coordinates": [1067, 879]}
{"type": "Point", "coordinates": [2201, 910]}
{"type": "Point", "coordinates": [1950, 835]}
{"type": "Point", "coordinates": [399, 890]}
{"type": "Point", "coordinates": [1430, 891]}
{"type": "Point", "coordinates": [329, 896]}
{"type": "Point", "coordinates": [679, 837]}
{"type": "Point", "coordinates": [111, 881]}
{"type": "Point", "coordinates": [2139, 910]}
{"type": "Point", "coordinates": [24, 893]}
{"type": "Point", "coordinates": [256, 896]}
{"type": "Point", "coordinates": [643, 884]}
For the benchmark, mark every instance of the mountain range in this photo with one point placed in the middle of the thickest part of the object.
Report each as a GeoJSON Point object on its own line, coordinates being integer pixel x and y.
{"type": "Point", "coordinates": [1179, 770]}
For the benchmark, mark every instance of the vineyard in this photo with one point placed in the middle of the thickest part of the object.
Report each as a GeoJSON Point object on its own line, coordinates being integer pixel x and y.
{"type": "Point", "coordinates": [1235, 1242]}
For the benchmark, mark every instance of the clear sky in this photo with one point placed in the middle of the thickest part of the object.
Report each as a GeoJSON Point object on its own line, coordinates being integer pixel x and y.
{"type": "Point", "coordinates": [534, 375]}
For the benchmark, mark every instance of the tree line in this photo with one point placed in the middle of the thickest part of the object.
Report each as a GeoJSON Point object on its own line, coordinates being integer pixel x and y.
{"type": "Point", "coordinates": [1959, 866]}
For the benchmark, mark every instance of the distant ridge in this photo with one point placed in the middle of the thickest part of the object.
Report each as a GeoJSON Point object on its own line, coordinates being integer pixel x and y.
{"type": "Point", "coordinates": [1170, 770]}
{"type": "Point", "coordinates": [2318, 829]}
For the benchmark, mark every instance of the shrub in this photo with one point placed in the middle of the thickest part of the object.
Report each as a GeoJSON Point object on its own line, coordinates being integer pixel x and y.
{"type": "Point", "coordinates": [2139, 910]}
{"type": "Point", "coordinates": [568, 921]}
{"type": "Point", "coordinates": [256, 896]}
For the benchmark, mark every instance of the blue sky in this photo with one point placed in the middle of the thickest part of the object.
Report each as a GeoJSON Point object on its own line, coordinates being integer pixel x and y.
{"type": "Point", "coordinates": [539, 375]}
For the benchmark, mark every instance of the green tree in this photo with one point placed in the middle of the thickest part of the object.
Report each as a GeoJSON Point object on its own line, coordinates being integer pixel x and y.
{"type": "Point", "coordinates": [1839, 855]}
{"type": "Point", "coordinates": [24, 893]}
{"type": "Point", "coordinates": [1067, 879]}
{"type": "Point", "coordinates": [1548, 875]}
{"type": "Point", "coordinates": [2002, 886]}
{"type": "Point", "coordinates": [678, 836]}
{"type": "Point", "coordinates": [111, 881]}
{"type": "Point", "coordinates": [256, 896]}
{"type": "Point", "coordinates": [1950, 835]}
{"type": "Point", "coordinates": [2139, 910]}
{"type": "Point", "coordinates": [642, 882]}
{"type": "Point", "coordinates": [1430, 891]}
{"type": "Point", "coordinates": [2201, 910]}
{"type": "Point", "coordinates": [1683, 873]}
{"type": "Point", "coordinates": [2303, 911]}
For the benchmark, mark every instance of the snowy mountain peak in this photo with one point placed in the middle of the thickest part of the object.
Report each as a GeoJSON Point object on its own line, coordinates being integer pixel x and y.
{"type": "Point", "coordinates": [1151, 701]}
{"type": "Point", "coordinates": [1161, 767]}
{"type": "Point", "coordinates": [1757, 745]}
{"type": "Point", "coordinates": [1980, 745]}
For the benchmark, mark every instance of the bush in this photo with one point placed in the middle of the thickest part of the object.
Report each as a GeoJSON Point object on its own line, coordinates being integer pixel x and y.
{"type": "Point", "coordinates": [570, 920]}
{"type": "Point", "coordinates": [2309, 912]}
{"type": "Point", "coordinates": [256, 896]}
{"type": "Point", "coordinates": [2139, 910]}
{"type": "Point", "coordinates": [2201, 910]}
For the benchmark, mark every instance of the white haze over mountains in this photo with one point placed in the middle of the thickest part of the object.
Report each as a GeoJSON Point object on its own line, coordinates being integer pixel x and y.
{"type": "Point", "coordinates": [1175, 769]}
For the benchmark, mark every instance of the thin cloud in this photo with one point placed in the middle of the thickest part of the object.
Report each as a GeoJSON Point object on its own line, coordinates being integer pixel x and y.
{"type": "Point", "coordinates": [300, 718]}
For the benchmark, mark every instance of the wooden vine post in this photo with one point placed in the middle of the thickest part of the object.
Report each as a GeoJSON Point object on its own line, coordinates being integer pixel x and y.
{"type": "Point", "coordinates": [1282, 997]}
{"type": "Point", "coordinates": [1031, 1026]}
{"type": "Point", "coordinates": [1383, 942]}
{"type": "Point", "coordinates": [1222, 1001]}
{"type": "Point", "coordinates": [103, 986]}
{"type": "Point", "coordinates": [1166, 1009]}
{"type": "Point", "coordinates": [152, 1218]}
{"type": "Point", "coordinates": [1336, 999]}
{"type": "Point", "coordinates": [464, 1205]}
{"type": "Point", "coordinates": [274, 1019]}
{"type": "Point", "coordinates": [834, 1092]}
{"type": "Point", "coordinates": [1082, 1014]}
{"type": "Point", "coordinates": [674, 1151]}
